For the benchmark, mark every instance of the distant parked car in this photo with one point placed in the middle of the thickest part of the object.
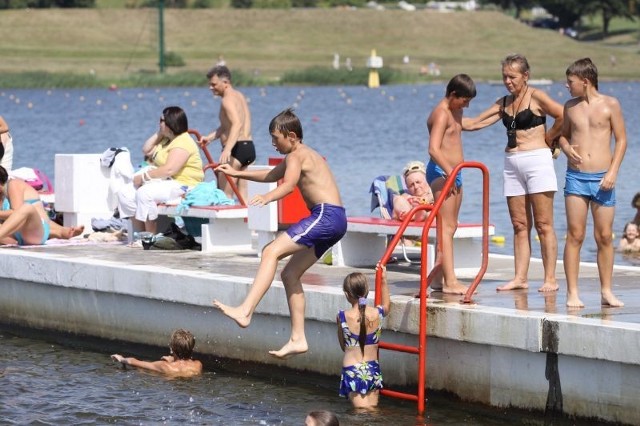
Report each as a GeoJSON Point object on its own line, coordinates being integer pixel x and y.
{"type": "Point", "coordinates": [549, 23]}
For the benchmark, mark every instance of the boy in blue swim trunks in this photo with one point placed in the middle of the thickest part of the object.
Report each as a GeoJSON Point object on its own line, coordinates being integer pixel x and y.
{"type": "Point", "coordinates": [445, 151]}
{"type": "Point", "coordinates": [590, 119]}
{"type": "Point", "coordinates": [307, 240]}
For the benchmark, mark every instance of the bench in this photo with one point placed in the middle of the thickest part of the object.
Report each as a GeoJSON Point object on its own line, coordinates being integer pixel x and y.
{"type": "Point", "coordinates": [366, 240]}
{"type": "Point", "coordinates": [226, 229]}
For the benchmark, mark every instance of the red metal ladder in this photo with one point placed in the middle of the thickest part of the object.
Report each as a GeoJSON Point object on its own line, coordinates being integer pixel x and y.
{"type": "Point", "coordinates": [212, 165]}
{"type": "Point", "coordinates": [421, 348]}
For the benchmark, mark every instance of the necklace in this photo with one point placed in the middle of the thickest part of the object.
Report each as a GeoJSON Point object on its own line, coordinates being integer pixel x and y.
{"type": "Point", "coordinates": [512, 141]}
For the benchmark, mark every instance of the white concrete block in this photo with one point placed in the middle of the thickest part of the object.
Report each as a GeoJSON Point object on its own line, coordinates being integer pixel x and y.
{"type": "Point", "coordinates": [264, 218]}
{"type": "Point", "coordinates": [82, 188]}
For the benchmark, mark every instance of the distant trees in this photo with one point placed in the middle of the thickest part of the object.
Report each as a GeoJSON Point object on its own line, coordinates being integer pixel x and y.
{"type": "Point", "coordinates": [569, 11]}
{"type": "Point", "coordinates": [44, 4]}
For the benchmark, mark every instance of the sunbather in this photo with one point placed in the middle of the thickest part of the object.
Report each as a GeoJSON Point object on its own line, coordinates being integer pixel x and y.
{"type": "Point", "coordinates": [24, 218]}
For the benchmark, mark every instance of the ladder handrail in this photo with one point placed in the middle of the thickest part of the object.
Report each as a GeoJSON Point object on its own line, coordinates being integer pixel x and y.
{"type": "Point", "coordinates": [212, 165]}
{"type": "Point", "coordinates": [421, 349]}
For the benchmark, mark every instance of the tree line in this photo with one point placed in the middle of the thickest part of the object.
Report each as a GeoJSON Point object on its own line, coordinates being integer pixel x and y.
{"type": "Point", "coordinates": [569, 12]}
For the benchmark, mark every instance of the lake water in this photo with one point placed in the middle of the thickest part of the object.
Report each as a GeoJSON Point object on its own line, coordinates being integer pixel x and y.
{"type": "Point", "coordinates": [363, 133]}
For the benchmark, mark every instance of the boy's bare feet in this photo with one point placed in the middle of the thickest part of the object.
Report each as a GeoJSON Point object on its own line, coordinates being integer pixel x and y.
{"type": "Point", "coordinates": [573, 301]}
{"type": "Point", "coordinates": [235, 313]}
{"type": "Point", "coordinates": [547, 287]}
{"type": "Point", "coordinates": [608, 299]}
{"type": "Point", "coordinates": [434, 280]}
{"type": "Point", "coordinates": [514, 284]}
{"type": "Point", "coordinates": [454, 288]}
{"type": "Point", "coordinates": [290, 349]}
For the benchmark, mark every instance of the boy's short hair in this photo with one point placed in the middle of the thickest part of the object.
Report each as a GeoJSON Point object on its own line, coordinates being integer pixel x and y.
{"type": "Point", "coordinates": [462, 85]}
{"type": "Point", "coordinates": [286, 122]}
{"type": "Point", "coordinates": [584, 68]}
{"type": "Point", "coordinates": [182, 343]}
{"type": "Point", "coordinates": [221, 71]}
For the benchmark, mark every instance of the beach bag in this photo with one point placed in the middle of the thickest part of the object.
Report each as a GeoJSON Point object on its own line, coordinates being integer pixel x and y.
{"type": "Point", "coordinates": [34, 177]}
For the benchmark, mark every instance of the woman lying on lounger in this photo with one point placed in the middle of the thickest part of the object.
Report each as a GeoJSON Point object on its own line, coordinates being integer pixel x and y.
{"type": "Point", "coordinates": [24, 220]}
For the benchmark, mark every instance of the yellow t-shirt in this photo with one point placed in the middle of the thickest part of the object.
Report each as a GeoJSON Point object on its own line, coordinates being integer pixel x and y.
{"type": "Point", "coordinates": [191, 173]}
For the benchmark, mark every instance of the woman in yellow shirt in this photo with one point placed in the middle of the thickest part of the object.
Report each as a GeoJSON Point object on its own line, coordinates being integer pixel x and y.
{"type": "Point", "coordinates": [176, 167]}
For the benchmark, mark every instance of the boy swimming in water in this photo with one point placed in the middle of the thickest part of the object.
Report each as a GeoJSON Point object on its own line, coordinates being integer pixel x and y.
{"type": "Point", "coordinates": [177, 364]}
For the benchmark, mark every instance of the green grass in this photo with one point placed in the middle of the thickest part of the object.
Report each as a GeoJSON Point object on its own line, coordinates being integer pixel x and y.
{"type": "Point", "coordinates": [274, 46]}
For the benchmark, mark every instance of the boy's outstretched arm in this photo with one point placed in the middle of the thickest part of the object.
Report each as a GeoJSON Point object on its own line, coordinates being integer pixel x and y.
{"type": "Point", "coordinates": [158, 366]}
{"type": "Point", "coordinates": [264, 175]}
{"type": "Point", "coordinates": [292, 168]}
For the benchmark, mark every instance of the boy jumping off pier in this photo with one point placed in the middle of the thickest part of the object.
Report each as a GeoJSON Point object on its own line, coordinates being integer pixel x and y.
{"type": "Point", "coordinates": [307, 240]}
{"type": "Point", "coordinates": [590, 120]}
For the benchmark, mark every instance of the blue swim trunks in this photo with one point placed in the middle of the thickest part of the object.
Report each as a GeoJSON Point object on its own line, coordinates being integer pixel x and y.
{"type": "Point", "coordinates": [362, 378]}
{"type": "Point", "coordinates": [588, 185]}
{"type": "Point", "coordinates": [326, 225]}
{"type": "Point", "coordinates": [434, 172]}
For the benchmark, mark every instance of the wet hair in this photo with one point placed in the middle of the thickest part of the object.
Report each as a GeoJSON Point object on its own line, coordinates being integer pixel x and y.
{"type": "Point", "coordinates": [324, 418]}
{"type": "Point", "coordinates": [584, 68]}
{"type": "Point", "coordinates": [635, 202]}
{"type": "Point", "coordinates": [221, 71]}
{"type": "Point", "coordinates": [462, 85]}
{"type": "Point", "coordinates": [624, 232]}
{"type": "Point", "coordinates": [175, 119]}
{"type": "Point", "coordinates": [516, 61]}
{"type": "Point", "coordinates": [182, 343]}
{"type": "Point", "coordinates": [4, 175]}
{"type": "Point", "coordinates": [286, 122]}
{"type": "Point", "coordinates": [356, 286]}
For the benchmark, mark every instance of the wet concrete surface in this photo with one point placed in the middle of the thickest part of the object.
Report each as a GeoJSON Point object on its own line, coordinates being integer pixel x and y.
{"type": "Point", "coordinates": [403, 278]}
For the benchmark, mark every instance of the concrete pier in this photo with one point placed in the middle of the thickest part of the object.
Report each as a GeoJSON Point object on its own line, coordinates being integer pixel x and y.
{"type": "Point", "coordinates": [520, 348]}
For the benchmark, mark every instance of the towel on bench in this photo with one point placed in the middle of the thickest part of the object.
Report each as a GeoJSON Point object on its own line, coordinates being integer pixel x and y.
{"type": "Point", "coordinates": [204, 194]}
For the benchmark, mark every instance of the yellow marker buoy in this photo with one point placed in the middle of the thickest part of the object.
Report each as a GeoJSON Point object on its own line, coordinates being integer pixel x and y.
{"type": "Point", "coordinates": [374, 63]}
{"type": "Point", "coordinates": [498, 239]}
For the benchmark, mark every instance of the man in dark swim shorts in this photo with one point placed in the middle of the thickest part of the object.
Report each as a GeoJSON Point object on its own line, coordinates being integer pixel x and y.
{"type": "Point", "coordinates": [244, 152]}
{"type": "Point", "coordinates": [234, 131]}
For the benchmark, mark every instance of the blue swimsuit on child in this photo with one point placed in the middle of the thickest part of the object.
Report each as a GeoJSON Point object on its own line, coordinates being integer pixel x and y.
{"type": "Point", "coordinates": [364, 376]}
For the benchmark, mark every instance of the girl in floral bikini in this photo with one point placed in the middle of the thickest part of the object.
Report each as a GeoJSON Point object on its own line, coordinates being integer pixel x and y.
{"type": "Point", "coordinates": [361, 377]}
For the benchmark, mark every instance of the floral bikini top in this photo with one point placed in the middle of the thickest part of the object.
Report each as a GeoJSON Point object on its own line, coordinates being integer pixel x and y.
{"type": "Point", "coordinates": [351, 339]}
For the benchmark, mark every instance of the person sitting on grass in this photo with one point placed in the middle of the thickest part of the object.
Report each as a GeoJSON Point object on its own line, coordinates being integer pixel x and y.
{"type": "Point", "coordinates": [177, 364]}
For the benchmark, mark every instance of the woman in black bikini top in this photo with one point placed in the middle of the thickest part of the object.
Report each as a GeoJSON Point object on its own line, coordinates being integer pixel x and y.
{"type": "Point", "coordinates": [529, 181]}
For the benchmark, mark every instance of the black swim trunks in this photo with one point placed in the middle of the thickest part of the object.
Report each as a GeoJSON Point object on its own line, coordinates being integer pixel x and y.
{"type": "Point", "coordinates": [244, 152]}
